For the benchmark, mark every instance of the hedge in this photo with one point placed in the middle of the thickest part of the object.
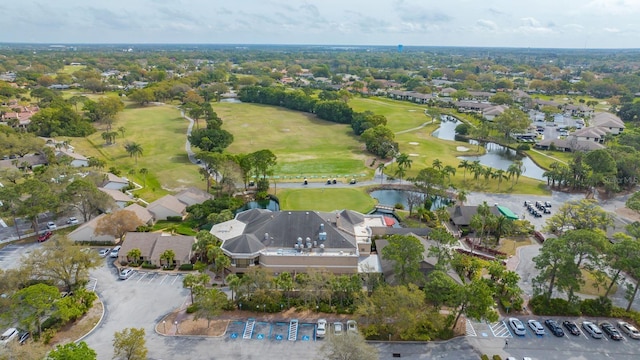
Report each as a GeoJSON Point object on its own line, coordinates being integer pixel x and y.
{"type": "Point", "coordinates": [186, 267]}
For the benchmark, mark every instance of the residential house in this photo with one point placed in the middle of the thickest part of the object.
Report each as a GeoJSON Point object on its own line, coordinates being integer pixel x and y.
{"type": "Point", "coordinates": [153, 245]}
{"type": "Point", "coordinates": [296, 241]}
{"type": "Point", "coordinates": [447, 92]}
{"type": "Point", "coordinates": [491, 112]}
{"type": "Point", "coordinates": [472, 106]}
{"type": "Point", "coordinates": [114, 182]}
{"type": "Point", "coordinates": [85, 233]}
{"type": "Point", "coordinates": [569, 144]}
{"type": "Point", "coordinates": [142, 213]}
{"type": "Point", "coordinates": [591, 133]}
{"type": "Point", "coordinates": [77, 160]}
{"type": "Point", "coordinates": [460, 216]}
{"type": "Point", "coordinates": [20, 118]}
{"type": "Point", "coordinates": [118, 196]}
{"type": "Point", "coordinates": [193, 196]}
{"type": "Point", "coordinates": [167, 206]}
{"type": "Point", "coordinates": [27, 161]}
{"type": "Point", "coordinates": [609, 121]}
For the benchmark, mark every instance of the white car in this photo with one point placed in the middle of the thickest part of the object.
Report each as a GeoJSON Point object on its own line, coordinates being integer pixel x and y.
{"type": "Point", "coordinates": [72, 221]}
{"type": "Point", "coordinates": [321, 331]}
{"type": "Point", "coordinates": [517, 327]}
{"type": "Point", "coordinates": [104, 252]}
{"type": "Point", "coordinates": [126, 273]}
{"type": "Point", "coordinates": [536, 327]}
{"type": "Point", "coordinates": [115, 251]}
{"type": "Point", "coordinates": [352, 326]}
{"type": "Point", "coordinates": [51, 225]}
{"type": "Point", "coordinates": [592, 329]}
{"type": "Point", "coordinates": [338, 328]}
{"type": "Point", "coordinates": [629, 329]}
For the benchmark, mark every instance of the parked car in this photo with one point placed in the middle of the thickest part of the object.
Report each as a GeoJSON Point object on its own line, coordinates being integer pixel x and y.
{"type": "Point", "coordinates": [353, 181]}
{"type": "Point", "coordinates": [126, 273]}
{"type": "Point", "coordinates": [104, 252]}
{"type": "Point", "coordinates": [536, 327]}
{"type": "Point", "coordinates": [517, 327]}
{"type": "Point", "coordinates": [611, 331]}
{"type": "Point", "coordinates": [45, 236]}
{"type": "Point", "coordinates": [352, 326]}
{"type": "Point", "coordinates": [572, 328]}
{"type": "Point", "coordinates": [24, 336]}
{"type": "Point", "coordinates": [114, 251]}
{"type": "Point", "coordinates": [592, 329]}
{"type": "Point", "coordinates": [51, 225]}
{"type": "Point", "coordinates": [547, 204]}
{"type": "Point", "coordinates": [629, 329]}
{"type": "Point", "coordinates": [72, 221]}
{"type": "Point", "coordinates": [554, 328]}
{"type": "Point", "coordinates": [338, 328]}
{"type": "Point", "coordinates": [8, 335]}
{"type": "Point", "coordinates": [321, 331]}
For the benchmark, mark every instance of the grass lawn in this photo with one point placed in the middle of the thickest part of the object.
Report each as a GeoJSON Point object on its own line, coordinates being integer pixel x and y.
{"type": "Point", "coordinates": [162, 133]}
{"type": "Point", "coordinates": [326, 199]}
{"type": "Point", "coordinates": [304, 145]}
{"type": "Point", "coordinates": [401, 115]}
{"type": "Point", "coordinates": [589, 281]}
{"type": "Point", "coordinates": [510, 245]}
{"type": "Point", "coordinates": [70, 69]}
{"type": "Point", "coordinates": [545, 158]}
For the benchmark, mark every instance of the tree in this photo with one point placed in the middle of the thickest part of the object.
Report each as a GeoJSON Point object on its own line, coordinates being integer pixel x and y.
{"type": "Point", "coordinates": [204, 241]}
{"type": "Point", "coordinates": [144, 172]}
{"type": "Point", "coordinates": [134, 255]}
{"type": "Point", "coordinates": [194, 282]}
{"type": "Point", "coordinates": [511, 121]}
{"type": "Point", "coordinates": [73, 351]}
{"type": "Point", "coordinates": [555, 263]}
{"type": "Point", "coordinates": [440, 289]}
{"type": "Point", "coordinates": [264, 161]}
{"type": "Point", "coordinates": [168, 256]}
{"type": "Point", "coordinates": [350, 346]}
{"type": "Point", "coordinates": [61, 261]}
{"type": "Point", "coordinates": [406, 253]}
{"type": "Point", "coordinates": [118, 223]}
{"type": "Point", "coordinates": [475, 300]}
{"type": "Point", "coordinates": [85, 197]}
{"type": "Point", "coordinates": [134, 150]}
{"type": "Point", "coordinates": [579, 214]}
{"type": "Point", "coordinates": [129, 344]}
{"type": "Point", "coordinates": [210, 303]}
{"type": "Point", "coordinates": [404, 163]}
{"type": "Point", "coordinates": [379, 141]}
{"type": "Point", "coordinates": [464, 164]}
{"type": "Point", "coordinates": [222, 262]}
{"type": "Point", "coordinates": [142, 96]}
{"type": "Point", "coordinates": [441, 249]}
{"type": "Point", "coordinates": [31, 304]}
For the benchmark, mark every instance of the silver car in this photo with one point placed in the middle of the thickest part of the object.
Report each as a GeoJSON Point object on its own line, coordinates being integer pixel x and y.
{"type": "Point", "coordinates": [126, 273]}
{"type": "Point", "coordinates": [629, 329]}
{"type": "Point", "coordinates": [592, 329]}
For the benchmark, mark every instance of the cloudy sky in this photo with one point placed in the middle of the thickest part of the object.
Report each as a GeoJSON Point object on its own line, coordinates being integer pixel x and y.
{"type": "Point", "coordinates": [509, 23]}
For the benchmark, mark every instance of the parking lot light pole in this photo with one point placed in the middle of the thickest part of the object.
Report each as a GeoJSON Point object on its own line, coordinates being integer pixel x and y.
{"type": "Point", "coordinates": [164, 326]}
{"type": "Point", "coordinates": [177, 330]}
{"type": "Point", "coordinates": [264, 308]}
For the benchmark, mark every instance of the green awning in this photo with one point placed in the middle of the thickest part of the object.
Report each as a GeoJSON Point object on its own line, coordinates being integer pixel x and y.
{"type": "Point", "coordinates": [507, 213]}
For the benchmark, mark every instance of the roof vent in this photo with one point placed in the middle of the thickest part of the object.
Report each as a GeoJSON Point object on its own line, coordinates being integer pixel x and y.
{"type": "Point", "coordinates": [308, 239]}
{"type": "Point", "coordinates": [315, 244]}
{"type": "Point", "coordinates": [289, 212]}
{"type": "Point", "coordinates": [309, 245]}
{"type": "Point", "coordinates": [321, 227]}
{"type": "Point", "coordinates": [296, 246]}
{"type": "Point", "coordinates": [321, 246]}
{"type": "Point", "coordinates": [266, 236]}
{"type": "Point", "coordinates": [307, 213]}
{"type": "Point", "coordinates": [322, 236]}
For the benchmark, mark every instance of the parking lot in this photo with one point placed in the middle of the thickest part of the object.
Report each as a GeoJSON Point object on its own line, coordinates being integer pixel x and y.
{"type": "Point", "coordinates": [274, 331]}
{"type": "Point", "coordinates": [154, 278]}
{"type": "Point", "coordinates": [11, 254]}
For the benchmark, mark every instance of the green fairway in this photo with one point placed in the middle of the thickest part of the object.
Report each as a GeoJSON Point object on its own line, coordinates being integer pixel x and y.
{"type": "Point", "coordinates": [326, 199]}
{"type": "Point", "coordinates": [162, 133]}
{"type": "Point", "coordinates": [304, 145]}
{"type": "Point", "coordinates": [70, 69]}
{"type": "Point", "coordinates": [401, 115]}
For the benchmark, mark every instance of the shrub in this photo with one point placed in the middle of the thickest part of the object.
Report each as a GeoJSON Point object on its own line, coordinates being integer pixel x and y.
{"type": "Point", "coordinates": [523, 147]}
{"type": "Point", "coordinates": [484, 357]}
{"type": "Point", "coordinates": [186, 267]}
{"type": "Point", "coordinates": [174, 218]}
{"type": "Point", "coordinates": [229, 306]}
{"type": "Point", "coordinates": [462, 129]}
{"type": "Point", "coordinates": [51, 323]}
{"type": "Point", "coordinates": [540, 306]}
{"type": "Point", "coordinates": [192, 308]}
{"type": "Point", "coordinates": [124, 263]}
{"type": "Point", "coordinates": [596, 307]}
{"type": "Point", "coordinates": [496, 357]}
{"type": "Point", "coordinates": [398, 206]}
{"type": "Point", "coordinates": [148, 265]}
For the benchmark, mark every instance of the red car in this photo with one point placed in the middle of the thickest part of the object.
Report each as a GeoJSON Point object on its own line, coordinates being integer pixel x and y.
{"type": "Point", "coordinates": [45, 236]}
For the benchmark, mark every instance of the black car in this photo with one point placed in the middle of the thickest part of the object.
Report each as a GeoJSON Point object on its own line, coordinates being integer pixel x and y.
{"type": "Point", "coordinates": [24, 336]}
{"type": "Point", "coordinates": [554, 328]}
{"type": "Point", "coordinates": [611, 331]}
{"type": "Point", "coordinates": [546, 211]}
{"type": "Point", "coordinates": [571, 327]}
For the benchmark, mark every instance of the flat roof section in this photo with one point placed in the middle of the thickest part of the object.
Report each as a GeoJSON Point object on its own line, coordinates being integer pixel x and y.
{"type": "Point", "coordinates": [507, 213]}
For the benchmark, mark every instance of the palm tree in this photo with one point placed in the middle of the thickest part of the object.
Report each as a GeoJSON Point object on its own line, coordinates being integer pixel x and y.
{"type": "Point", "coordinates": [404, 163]}
{"type": "Point", "coordinates": [487, 172]}
{"type": "Point", "coordinates": [121, 129]}
{"type": "Point", "coordinates": [499, 174]}
{"type": "Point", "coordinates": [449, 170]}
{"type": "Point", "coordinates": [234, 284]}
{"type": "Point", "coordinates": [436, 164]}
{"type": "Point", "coordinates": [461, 196]}
{"type": "Point", "coordinates": [134, 150]}
{"type": "Point", "coordinates": [134, 255]}
{"type": "Point", "coordinates": [381, 168]}
{"type": "Point", "coordinates": [144, 172]}
{"type": "Point", "coordinates": [168, 255]}
{"type": "Point", "coordinates": [521, 169]}
{"type": "Point", "coordinates": [511, 171]}
{"type": "Point", "coordinates": [465, 165]}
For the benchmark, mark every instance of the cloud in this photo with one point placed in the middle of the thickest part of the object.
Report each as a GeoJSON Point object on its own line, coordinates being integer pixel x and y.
{"type": "Point", "coordinates": [611, 30]}
{"type": "Point", "coordinates": [487, 24]}
{"type": "Point", "coordinates": [613, 7]}
{"type": "Point", "coordinates": [495, 12]}
{"type": "Point", "coordinates": [413, 13]}
{"type": "Point", "coordinates": [532, 25]}
{"type": "Point", "coordinates": [529, 21]}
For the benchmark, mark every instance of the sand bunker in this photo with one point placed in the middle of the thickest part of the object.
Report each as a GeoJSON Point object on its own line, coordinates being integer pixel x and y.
{"type": "Point", "coordinates": [414, 143]}
{"type": "Point", "coordinates": [462, 148]}
{"type": "Point", "coordinates": [414, 155]}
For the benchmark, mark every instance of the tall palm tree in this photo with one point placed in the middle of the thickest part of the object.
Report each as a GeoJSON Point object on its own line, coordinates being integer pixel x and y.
{"type": "Point", "coordinates": [511, 172]}
{"type": "Point", "coordinates": [437, 164]}
{"type": "Point", "coordinates": [381, 168]}
{"type": "Point", "coordinates": [461, 196]}
{"type": "Point", "coordinates": [465, 165]}
{"type": "Point", "coordinates": [121, 129]}
{"type": "Point", "coordinates": [144, 172]}
{"type": "Point", "coordinates": [134, 150]}
{"type": "Point", "coordinates": [499, 174]}
{"type": "Point", "coordinates": [449, 170]}
{"type": "Point", "coordinates": [404, 163]}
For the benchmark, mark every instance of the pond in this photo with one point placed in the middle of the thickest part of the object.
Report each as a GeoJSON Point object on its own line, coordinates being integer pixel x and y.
{"type": "Point", "coordinates": [496, 156]}
{"type": "Point", "coordinates": [230, 100]}
{"type": "Point", "coordinates": [268, 204]}
{"type": "Point", "coordinates": [391, 197]}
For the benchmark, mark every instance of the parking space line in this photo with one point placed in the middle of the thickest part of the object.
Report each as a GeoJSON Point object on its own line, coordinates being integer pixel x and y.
{"type": "Point", "coordinates": [152, 277]}
{"type": "Point", "coordinates": [164, 278]}
{"type": "Point", "coordinates": [470, 330]}
{"type": "Point", "coordinates": [143, 276]}
{"type": "Point", "coordinates": [177, 277]}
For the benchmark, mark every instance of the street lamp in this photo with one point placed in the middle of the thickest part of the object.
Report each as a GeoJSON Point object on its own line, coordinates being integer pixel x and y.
{"type": "Point", "coordinates": [240, 306]}
{"type": "Point", "coordinates": [164, 326]}
{"type": "Point", "coordinates": [264, 308]}
{"type": "Point", "coordinates": [281, 307]}
{"type": "Point", "coordinates": [317, 308]}
{"type": "Point", "coordinates": [177, 330]}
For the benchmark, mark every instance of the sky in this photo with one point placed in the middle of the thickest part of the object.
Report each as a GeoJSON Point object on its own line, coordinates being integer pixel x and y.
{"type": "Point", "coordinates": [494, 23]}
